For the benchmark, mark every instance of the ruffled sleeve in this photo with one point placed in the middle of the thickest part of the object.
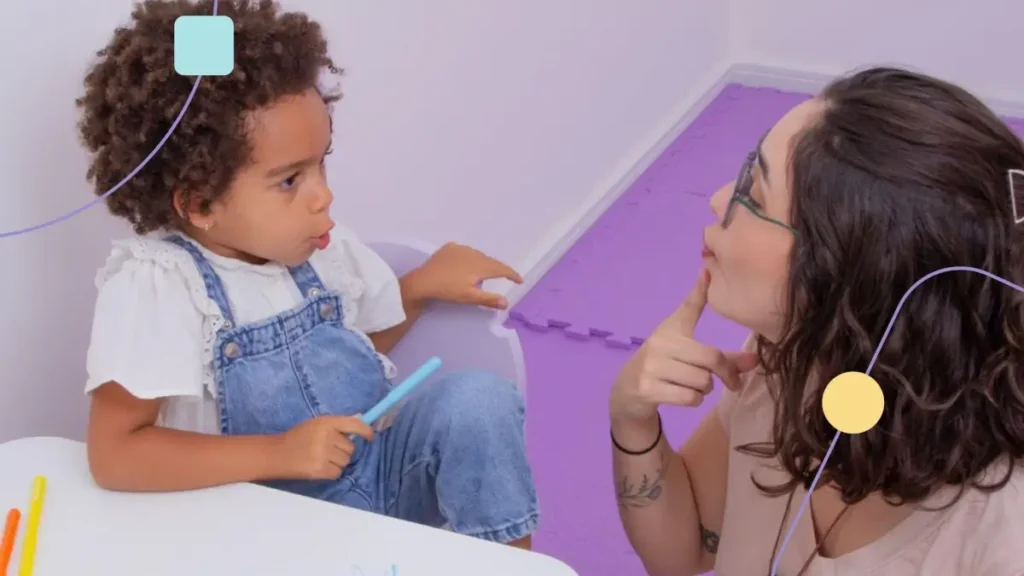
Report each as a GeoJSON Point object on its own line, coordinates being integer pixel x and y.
{"type": "Point", "coordinates": [153, 324]}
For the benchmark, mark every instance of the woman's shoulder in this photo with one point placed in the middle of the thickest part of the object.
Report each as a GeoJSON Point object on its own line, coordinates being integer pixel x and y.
{"type": "Point", "coordinates": [998, 494]}
{"type": "Point", "coordinates": [992, 519]}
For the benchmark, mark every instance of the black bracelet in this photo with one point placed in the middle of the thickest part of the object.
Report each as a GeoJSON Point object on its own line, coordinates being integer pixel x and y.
{"type": "Point", "coordinates": [638, 452]}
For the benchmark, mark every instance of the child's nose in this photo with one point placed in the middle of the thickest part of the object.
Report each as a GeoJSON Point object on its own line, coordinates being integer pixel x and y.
{"type": "Point", "coordinates": [322, 198]}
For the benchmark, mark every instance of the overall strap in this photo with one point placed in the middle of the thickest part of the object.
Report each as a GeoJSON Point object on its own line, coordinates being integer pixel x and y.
{"type": "Point", "coordinates": [306, 279]}
{"type": "Point", "coordinates": [214, 287]}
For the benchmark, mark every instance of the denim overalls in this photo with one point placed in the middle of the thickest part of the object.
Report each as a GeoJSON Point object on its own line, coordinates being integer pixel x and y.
{"type": "Point", "coordinates": [454, 454]}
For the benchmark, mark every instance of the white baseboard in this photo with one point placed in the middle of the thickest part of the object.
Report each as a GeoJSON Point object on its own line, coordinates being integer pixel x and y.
{"type": "Point", "coordinates": [557, 242]}
{"type": "Point", "coordinates": [550, 249]}
{"type": "Point", "coordinates": [759, 76]}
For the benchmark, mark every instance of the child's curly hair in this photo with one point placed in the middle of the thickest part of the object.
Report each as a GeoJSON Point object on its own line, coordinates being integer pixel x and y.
{"type": "Point", "coordinates": [133, 95]}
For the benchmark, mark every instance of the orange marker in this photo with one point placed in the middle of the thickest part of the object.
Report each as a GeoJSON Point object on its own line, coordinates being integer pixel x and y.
{"type": "Point", "coordinates": [7, 544]}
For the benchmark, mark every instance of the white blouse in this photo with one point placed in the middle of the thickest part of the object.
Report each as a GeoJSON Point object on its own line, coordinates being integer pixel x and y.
{"type": "Point", "coordinates": [154, 326]}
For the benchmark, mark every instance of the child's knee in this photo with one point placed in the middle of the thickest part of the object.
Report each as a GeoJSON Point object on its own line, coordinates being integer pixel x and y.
{"type": "Point", "coordinates": [474, 402]}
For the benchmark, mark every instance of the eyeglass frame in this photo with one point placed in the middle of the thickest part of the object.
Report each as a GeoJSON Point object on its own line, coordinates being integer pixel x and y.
{"type": "Point", "coordinates": [741, 194]}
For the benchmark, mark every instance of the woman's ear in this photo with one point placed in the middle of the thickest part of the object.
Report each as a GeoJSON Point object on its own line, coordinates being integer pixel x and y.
{"type": "Point", "coordinates": [188, 209]}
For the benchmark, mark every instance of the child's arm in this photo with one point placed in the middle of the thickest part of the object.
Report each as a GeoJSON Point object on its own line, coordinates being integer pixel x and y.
{"type": "Point", "coordinates": [413, 304]}
{"type": "Point", "coordinates": [146, 348]}
{"type": "Point", "coordinates": [128, 452]}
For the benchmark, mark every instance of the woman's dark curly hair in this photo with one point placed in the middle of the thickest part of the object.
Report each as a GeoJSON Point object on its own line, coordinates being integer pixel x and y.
{"type": "Point", "coordinates": [899, 176]}
{"type": "Point", "coordinates": [133, 95]}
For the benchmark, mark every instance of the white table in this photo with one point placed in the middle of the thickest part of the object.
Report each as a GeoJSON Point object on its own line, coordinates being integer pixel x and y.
{"type": "Point", "coordinates": [238, 530]}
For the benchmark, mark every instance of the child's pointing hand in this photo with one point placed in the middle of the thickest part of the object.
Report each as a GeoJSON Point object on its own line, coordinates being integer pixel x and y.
{"type": "Point", "coordinates": [454, 274]}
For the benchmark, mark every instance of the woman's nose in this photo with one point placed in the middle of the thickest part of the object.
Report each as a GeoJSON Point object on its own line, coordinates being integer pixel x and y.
{"type": "Point", "coordinates": [720, 200]}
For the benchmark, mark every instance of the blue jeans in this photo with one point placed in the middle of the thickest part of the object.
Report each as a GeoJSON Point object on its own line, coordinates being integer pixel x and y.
{"type": "Point", "coordinates": [453, 455]}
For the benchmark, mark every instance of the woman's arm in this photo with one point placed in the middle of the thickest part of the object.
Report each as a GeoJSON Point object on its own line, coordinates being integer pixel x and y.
{"type": "Point", "coordinates": [127, 452]}
{"type": "Point", "coordinates": [672, 504]}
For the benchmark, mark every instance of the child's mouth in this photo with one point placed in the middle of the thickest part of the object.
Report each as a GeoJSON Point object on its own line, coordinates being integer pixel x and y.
{"type": "Point", "coordinates": [321, 242]}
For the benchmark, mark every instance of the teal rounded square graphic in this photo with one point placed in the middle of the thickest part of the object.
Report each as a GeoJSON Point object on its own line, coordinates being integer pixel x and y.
{"type": "Point", "coordinates": [204, 45]}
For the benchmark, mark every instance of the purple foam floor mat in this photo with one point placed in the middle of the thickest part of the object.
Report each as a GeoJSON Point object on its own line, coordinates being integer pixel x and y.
{"type": "Point", "coordinates": [626, 273]}
{"type": "Point", "coordinates": [580, 323]}
{"type": "Point", "coordinates": [649, 241]}
{"type": "Point", "coordinates": [570, 451]}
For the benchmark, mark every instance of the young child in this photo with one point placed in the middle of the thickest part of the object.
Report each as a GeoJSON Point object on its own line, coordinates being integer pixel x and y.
{"type": "Point", "coordinates": [238, 338]}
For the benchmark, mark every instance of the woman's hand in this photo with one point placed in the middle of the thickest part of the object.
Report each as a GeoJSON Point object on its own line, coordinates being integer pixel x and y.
{"type": "Point", "coordinates": [673, 368]}
{"type": "Point", "coordinates": [454, 274]}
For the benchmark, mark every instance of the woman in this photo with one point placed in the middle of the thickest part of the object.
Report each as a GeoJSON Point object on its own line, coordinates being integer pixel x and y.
{"type": "Point", "coordinates": [845, 203]}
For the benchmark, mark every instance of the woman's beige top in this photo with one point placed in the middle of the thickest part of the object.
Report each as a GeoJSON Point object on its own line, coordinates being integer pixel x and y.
{"type": "Point", "coordinates": [981, 535]}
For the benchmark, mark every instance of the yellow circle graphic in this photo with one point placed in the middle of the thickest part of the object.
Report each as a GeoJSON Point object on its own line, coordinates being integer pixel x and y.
{"type": "Point", "coordinates": [853, 402]}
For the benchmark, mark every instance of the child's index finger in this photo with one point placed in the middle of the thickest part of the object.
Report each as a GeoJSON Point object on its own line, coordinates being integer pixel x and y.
{"type": "Point", "coordinates": [499, 269]}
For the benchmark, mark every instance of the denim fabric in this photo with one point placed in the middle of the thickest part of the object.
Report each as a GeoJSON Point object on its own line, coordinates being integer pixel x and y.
{"type": "Point", "coordinates": [454, 454]}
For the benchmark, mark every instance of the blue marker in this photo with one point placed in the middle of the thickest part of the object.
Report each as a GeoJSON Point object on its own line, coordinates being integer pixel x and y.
{"type": "Point", "coordinates": [400, 391]}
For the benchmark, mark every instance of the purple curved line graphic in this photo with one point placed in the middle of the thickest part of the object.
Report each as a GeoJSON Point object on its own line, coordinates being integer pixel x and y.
{"type": "Point", "coordinates": [130, 174]}
{"type": "Point", "coordinates": [874, 358]}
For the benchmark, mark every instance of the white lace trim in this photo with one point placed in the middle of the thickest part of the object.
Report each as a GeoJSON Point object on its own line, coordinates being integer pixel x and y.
{"type": "Point", "coordinates": [172, 257]}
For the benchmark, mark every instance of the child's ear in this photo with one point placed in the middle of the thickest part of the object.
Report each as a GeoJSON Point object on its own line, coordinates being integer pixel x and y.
{"type": "Point", "coordinates": [188, 209]}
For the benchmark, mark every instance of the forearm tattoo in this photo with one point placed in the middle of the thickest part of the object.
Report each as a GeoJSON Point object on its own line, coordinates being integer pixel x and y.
{"type": "Point", "coordinates": [634, 494]}
{"type": "Point", "coordinates": [709, 540]}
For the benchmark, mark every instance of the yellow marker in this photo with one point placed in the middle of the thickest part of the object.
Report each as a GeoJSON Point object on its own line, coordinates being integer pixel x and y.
{"type": "Point", "coordinates": [853, 402]}
{"type": "Point", "coordinates": [35, 509]}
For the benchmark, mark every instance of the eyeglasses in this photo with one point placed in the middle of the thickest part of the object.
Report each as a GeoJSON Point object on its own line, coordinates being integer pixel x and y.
{"type": "Point", "coordinates": [741, 195]}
